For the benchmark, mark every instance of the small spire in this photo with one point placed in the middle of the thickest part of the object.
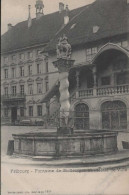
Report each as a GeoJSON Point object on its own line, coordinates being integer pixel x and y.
{"type": "Point", "coordinates": [66, 16]}
{"type": "Point", "coordinates": [29, 17]}
{"type": "Point", "coordinates": [67, 10]}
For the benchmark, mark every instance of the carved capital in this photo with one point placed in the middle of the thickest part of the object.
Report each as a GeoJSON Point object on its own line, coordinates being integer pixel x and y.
{"type": "Point", "coordinates": [63, 65]}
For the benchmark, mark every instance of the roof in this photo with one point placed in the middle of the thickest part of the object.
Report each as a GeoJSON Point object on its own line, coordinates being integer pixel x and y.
{"type": "Point", "coordinates": [41, 31]}
{"type": "Point", "coordinates": [110, 16]}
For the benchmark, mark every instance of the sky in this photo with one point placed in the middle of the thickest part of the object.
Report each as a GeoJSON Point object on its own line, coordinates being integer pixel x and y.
{"type": "Point", "coordinates": [15, 11]}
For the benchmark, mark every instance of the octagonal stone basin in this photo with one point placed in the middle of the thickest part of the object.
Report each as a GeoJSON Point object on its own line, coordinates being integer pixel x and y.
{"type": "Point", "coordinates": [78, 144]}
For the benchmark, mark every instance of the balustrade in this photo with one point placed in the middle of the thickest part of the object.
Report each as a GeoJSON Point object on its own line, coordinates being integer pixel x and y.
{"type": "Point", "coordinates": [119, 89]}
{"type": "Point", "coordinates": [85, 92]}
{"type": "Point", "coordinates": [12, 96]}
{"type": "Point", "coordinates": [102, 91]}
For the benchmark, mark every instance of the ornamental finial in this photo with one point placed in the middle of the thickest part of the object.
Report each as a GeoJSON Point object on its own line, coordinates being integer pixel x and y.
{"type": "Point", "coordinates": [63, 48]}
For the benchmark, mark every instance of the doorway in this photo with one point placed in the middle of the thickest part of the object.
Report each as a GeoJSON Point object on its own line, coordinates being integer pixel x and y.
{"type": "Point", "coordinates": [14, 114]}
{"type": "Point", "coordinates": [81, 119]}
{"type": "Point", "coordinates": [114, 115]}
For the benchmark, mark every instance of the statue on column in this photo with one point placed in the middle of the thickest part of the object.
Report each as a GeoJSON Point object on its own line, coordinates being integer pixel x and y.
{"type": "Point", "coordinates": [63, 48]}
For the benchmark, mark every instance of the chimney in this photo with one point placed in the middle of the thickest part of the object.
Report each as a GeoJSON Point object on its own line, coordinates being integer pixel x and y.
{"type": "Point", "coordinates": [29, 17]}
{"type": "Point", "coordinates": [61, 7]}
{"type": "Point", "coordinates": [10, 26]}
{"type": "Point", "coordinates": [66, 16]}
{"type": "Point", "coordinates": [39, 9]}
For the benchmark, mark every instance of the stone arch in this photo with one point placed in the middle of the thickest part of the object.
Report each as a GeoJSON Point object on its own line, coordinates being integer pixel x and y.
{"type": "Point", "coordinates": [114, 115]}
{"type": "Point", "coordinates": [109, 46]}
{"type": "Point", "coordinates": [101, 101]}
{"type": "Point", "coordinates": [80, 102]}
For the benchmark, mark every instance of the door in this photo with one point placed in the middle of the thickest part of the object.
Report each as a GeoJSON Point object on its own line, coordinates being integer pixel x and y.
{"type": "Point", "coordinates": [81, 120]}
{"type": "Point", "coordinates": [14, 114]}
{"type": "Point", "coordinates": [114, 115]}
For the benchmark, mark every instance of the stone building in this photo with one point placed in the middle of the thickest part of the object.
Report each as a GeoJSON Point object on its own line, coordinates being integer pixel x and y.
{"type": "Point", "coordinates": [99, 79]}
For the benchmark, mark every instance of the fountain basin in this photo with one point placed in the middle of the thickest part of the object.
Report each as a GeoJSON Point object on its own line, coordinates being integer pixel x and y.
{"type": "Point", "coordinates": [76, 144]}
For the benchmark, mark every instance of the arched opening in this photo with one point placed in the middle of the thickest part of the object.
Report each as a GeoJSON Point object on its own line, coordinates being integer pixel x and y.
{"type": "Point", "coordinates": [112, 67]}
{"type": "Point", "coordinates": [81, 120]}
{"type": "Point", "coordinates": [114, 115]}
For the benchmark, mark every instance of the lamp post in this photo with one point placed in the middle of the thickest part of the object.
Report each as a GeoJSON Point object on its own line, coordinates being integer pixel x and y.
{"type": "Point", "coordinates": [64, 63]}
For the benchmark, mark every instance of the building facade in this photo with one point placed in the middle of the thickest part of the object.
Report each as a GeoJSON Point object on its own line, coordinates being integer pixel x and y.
{"type": "Point", "coordinates": [99, 79]}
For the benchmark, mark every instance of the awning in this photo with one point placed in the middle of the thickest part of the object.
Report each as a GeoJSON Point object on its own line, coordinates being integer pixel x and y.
{"type": "Point", "coordinates": [51, 92]}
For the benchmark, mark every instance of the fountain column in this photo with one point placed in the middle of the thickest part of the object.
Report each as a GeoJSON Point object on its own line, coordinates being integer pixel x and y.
{"type": "Point", "coordinates": [64, 63]}
{"type": "Point", "coordinates": [64, 66]}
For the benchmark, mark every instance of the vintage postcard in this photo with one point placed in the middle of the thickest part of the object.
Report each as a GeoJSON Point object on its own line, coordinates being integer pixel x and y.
{"type": "Point", "coordinates": [65, 97]}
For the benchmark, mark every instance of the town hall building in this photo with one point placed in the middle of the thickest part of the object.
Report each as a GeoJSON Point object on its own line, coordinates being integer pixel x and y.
{"type": "Point", "coordinates": [98, 81]}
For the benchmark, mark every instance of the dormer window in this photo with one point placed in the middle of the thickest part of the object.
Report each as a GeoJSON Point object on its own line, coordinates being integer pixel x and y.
{"type": "Point", "coordinates": [30, 55]}
{"type": "Point", "coordinates": [5, 60]}
{"type": "Point", "coordinates": [22, 56]}
{"type": "Point", "coordinates": [38, 52]}
{"type": "Point", "coordinates": [13, 57]}
{"type": "Point", "coordinates": [95, 29]}
{"type": "Point", "coordinates": [125, 44]}
{"type": "Point", "coordinates": [73, 25]}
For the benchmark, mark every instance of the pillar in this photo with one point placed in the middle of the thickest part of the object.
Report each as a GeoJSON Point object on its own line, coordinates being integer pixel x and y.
{"type": "Point", "coordinates": [95, 117]}
{"type": "Point", "coordinates": [95, 80]}
{"type": "Point", "coordinates": [77, 82]}
{"type": "Point", "coordinates": [63, 66]}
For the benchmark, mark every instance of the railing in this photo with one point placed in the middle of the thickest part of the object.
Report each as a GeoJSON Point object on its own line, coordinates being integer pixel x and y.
{"type": "Point", "coordinates": [119, 89]}
{"type": "Point", "coordinates": [85, 93]}
{"type": "Point", "coordinates": [13, 96]}
{"type": "Point", "coordinates": [102, 91]}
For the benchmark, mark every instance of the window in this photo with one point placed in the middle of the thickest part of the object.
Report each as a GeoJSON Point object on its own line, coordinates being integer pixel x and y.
{"type": "Point", "coordinates": [22, 56]}
{"type": "Point", "coordinates": [30, 70]}
{"type": "Point", "coordinates": [105, 80]}
{"type": "Point", "coordinates": [122, 78]}
{"type": "Point", "coordinates": [6, 112]}
{"type": "Point", "coordinates": [39, 88]}
{"type": "Point", "coordinates": [13, 57]}
{"type": "Point", "coordinates": [22, 71]}
{"type": "Point", "coordinates": [39, 110]}
{"type": "Point", "coordinates": [6, 73]}
{"type": "Point", "coordinates": [119, 43]}
{"type": "Point", "coordinates": [6, 91]}
{"type": "Point", "coordinates": [46, 67]}
{"type": "Point", "coordinates": [30, 89]}
{"type": "Point", "coordinates": [21, 111]}
{"type": "Point", "coordinates": [38, 52]}
{"type": "Point", "coordinates": [125, 44]}
{"type": "Point", "coordinates": [90, 53]}
{"type": "Point", "coordinates": [30, 110]}
{"type": "Point", "coordinates": [13, 72]}
{"type": "Point", "coordinates": [5, 59]}
{"type": "Point", "coordinates": [73, 25]}
{"type": "Point", "coordinates": [14, 90]}
{"type": "Point", "coordinates": [22, 89]}
{"type": "Point", "coordinates": [30, 55]}
{"type": "Point", "coordinates": [95, 29]}
{"type": "Point", "coordinates": [47, 86]}
{"type": "Point", "coordinates": [38, 68]}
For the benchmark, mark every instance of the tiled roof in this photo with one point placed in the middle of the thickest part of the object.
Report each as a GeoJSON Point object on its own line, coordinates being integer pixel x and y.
{"type": "Point", "coordinates": [110, 16]}
{"type": "Point", "coordinates": [41, 31]}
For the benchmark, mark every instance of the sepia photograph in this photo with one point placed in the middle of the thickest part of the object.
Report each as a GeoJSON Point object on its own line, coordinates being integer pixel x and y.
{"type": "Point", "coordinates": [65, 97]}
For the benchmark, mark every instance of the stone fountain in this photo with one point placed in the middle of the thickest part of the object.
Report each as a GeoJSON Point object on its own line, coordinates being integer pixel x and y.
{"type": "Point", "coordinates": [65, 142]}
